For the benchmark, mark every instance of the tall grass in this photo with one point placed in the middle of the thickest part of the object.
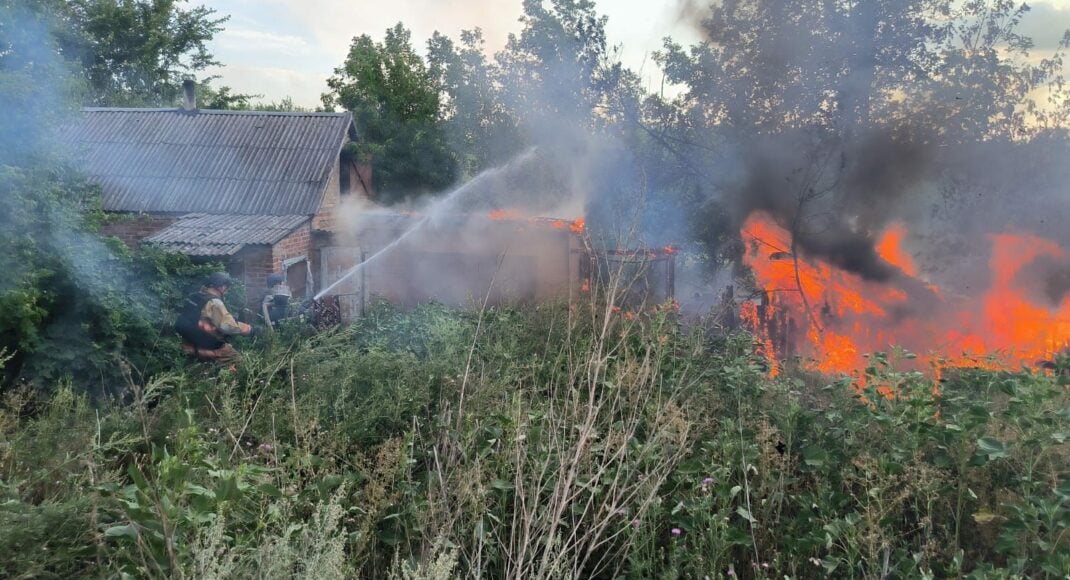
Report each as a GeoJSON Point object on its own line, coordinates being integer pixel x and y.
{"type": "Point", "coordinates": [552, 442]}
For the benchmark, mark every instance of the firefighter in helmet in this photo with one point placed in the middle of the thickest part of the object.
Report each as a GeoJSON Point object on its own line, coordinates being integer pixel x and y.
{"type": "Point", "coordinates": [276, 304]}
{"type": "Point", "coordinates": [206, 326]}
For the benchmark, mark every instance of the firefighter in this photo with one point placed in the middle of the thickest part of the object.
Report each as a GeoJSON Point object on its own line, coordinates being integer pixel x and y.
{"type": "Point", "coordinates": [206, 326]}
{"type": "Point", "coordinates": [276, 304]}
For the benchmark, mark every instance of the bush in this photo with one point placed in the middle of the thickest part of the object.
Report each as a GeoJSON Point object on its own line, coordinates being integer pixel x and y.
{"type": "Point", "coordinates": [73, 303]}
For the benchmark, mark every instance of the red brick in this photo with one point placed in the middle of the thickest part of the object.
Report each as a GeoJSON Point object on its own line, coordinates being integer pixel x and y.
{"type": "Point", "coordinates": [132, 228]}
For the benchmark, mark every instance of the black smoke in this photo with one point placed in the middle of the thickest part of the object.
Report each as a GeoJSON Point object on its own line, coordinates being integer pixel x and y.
{"type": "Point", "coordinates": [834, 193]}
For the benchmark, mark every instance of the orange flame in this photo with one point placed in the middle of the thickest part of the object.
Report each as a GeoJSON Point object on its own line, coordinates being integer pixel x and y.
{"type": "Point", "coordinates": [831, 318]}
{"type": "Point", "coordinates": [504, 214]}
{"type": "Point", "coordinates": [890, 247]}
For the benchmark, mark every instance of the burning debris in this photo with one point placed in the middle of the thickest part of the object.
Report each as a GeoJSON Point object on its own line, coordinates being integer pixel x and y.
{"type": "Point", "coordinates": [830, 317]}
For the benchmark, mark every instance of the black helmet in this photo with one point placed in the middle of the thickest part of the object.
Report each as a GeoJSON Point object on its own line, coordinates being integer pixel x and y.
{"type": "Point", "coordinates": [218, 280]}
{"type": "Point", "coordinates": [276, 279]}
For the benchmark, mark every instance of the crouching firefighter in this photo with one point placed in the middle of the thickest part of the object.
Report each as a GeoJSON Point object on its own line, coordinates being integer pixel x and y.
{"type": "Point", "coordinates": [206, 326]}
{"type": "Point", "coordinates": [276, 304]}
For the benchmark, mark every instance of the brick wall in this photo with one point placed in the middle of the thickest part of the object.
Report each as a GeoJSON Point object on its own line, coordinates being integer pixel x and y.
{"type": "Point", "coordinates": [299, 243]}
{"type": "Point", "coordinates": [255, 265]}
{"type": "Point", "coordinates": [259, 262]}
{"type": "Point", "coordinates": [359, 178]}
{"type": "Point", "coordinates": [132, 228]}
{"type": "Point", "coordinates": [332, 196]}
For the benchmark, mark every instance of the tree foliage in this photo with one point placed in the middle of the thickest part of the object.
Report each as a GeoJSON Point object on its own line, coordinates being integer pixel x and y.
{"type": "Point", "coordinates": [481, 130]}
{"type": "Point", "coordinates": [37, 86]}
{"type": "Point", "coordinates": [71, 302]}
{"type": "Point", "coordinates": [125, 52]}
{"type": "Point", "coordinates": [396, 108]}
{"type": "Point", "coordinates": [818, 88]}
{"type": "Point", "coordinates": [136, 52]}
{"type": "Point", "coordinates": [558, 66]}
{"type": "Point", "coordinates": [767, 66]}
{"type": "Point", "coordinates": [424, 123]}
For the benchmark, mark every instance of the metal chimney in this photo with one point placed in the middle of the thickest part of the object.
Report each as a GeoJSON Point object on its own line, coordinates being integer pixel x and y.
{"type": "Point", "coordinates": [189, 87]}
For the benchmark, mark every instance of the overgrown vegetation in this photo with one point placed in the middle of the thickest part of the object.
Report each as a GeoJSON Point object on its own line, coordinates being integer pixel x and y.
{"type": "Point", "coordinates": [546, 442]}
{"type": "Point", "coordinates": [71, 301]}
{"type": "Point", "coordinates": [543, 442]}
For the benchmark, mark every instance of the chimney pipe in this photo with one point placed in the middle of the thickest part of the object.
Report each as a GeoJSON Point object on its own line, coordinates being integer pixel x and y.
{"type": "Point", "coordinates": [189, 87]}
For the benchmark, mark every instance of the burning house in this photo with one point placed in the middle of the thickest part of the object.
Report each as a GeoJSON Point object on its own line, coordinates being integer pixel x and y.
{"type": "Point", "coordinates": [497, 258]}
{"type": "Point", "coordinates": [263, 191]}
{"type": "Point", "coordinates": [458, 260]}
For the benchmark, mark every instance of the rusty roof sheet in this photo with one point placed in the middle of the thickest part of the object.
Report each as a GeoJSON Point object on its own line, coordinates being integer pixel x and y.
{"type": "Point", "coordinates": [225, 162]}
{"type": "Point", "coordinates": [224, 235]}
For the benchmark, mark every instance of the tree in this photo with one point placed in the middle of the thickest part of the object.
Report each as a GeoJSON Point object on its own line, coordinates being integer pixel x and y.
{"type": "Point", "coordinates": [481, 131]}
{"type": "Point", "coordinates": [556, 72]}
{"type": "Point", "coordinates": [71, 302]}
{"type": "Point", "coordinates": [129, 52]}
{"type": "Point", "coordinates": [396, 107]}
{"type": "Point", "coordinates": [37, 86]}
{"type": "Point", "coordinates": [136, 52]}
{"type": "Point", "coordinates": [222, 98]}
{"type": "Point", "coordinates": [982, 78]}
{"type": "Point", "coordinates": [826, 113]}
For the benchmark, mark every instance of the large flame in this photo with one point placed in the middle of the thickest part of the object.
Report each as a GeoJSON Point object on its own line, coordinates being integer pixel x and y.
{"type": "Point", "coordinates": [830, 319]}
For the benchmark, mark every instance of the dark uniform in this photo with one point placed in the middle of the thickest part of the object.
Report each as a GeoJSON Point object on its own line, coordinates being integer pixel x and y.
{"type": "Point", "coordinates": [205, 324]}
{"type": "Point", "coordinates": [276, 304]}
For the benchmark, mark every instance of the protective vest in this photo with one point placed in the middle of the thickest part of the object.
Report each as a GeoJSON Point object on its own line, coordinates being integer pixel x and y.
{"type": "Point", "coordinates": [192, 328]}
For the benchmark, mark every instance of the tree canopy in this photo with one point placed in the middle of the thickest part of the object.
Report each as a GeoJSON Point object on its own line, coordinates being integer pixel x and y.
{"type": "Point", "coordinates": [129, 52]}
{"type": "Point", "coordinates": [396, 108]}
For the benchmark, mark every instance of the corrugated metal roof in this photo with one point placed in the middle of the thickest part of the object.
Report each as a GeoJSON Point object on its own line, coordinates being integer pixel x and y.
{"type": "Point", "coordinates": [204, 250]}
{"type": "Point", "coordinates": [234, 162]}
{"type": "Point", "coordinates": [224, 235]}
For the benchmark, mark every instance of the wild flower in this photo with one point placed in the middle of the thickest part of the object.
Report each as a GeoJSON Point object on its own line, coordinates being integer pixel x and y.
{"type": "Point", "coordinates": [676, 532]}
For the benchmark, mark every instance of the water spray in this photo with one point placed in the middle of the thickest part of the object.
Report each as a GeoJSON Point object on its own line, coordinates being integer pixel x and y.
{"type": "Point", "coordinates": [436, 209]}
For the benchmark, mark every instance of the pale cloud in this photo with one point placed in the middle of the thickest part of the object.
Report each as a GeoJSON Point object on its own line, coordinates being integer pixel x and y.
{"type": "Point", "coordinates": [1046, 23]}
{"type": "Point", "coordinates": [243, 39]}
{"type": "Point", "coordinates": [335, 23]}
{"type": "Point", "coordinates": [275, 83]}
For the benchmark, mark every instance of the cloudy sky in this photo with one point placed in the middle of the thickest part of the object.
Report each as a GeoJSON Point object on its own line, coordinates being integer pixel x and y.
{"type": "Point", "coordinates": [280, 48]}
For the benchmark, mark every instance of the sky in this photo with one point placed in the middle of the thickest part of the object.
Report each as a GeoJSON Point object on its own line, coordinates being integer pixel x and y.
{"type": "Point", "coordinates": [288, 48]}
